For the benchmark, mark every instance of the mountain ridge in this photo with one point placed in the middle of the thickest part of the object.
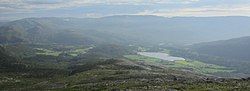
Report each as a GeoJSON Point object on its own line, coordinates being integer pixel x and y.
{"type": "Point", "coordinates": [177, 30]}
{"type": "Point", "coordinates": [236, 48]}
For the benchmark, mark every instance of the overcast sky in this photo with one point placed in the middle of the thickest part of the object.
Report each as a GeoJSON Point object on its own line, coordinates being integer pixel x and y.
{"type": "Point", "coordinates": [17, 9]}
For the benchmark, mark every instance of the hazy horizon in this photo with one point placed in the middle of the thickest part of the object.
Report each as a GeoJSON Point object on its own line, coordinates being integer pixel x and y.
{"type": "Point", "coordinates": [18, 9]}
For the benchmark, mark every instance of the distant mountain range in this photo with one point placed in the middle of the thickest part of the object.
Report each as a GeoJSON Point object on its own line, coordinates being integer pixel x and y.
{"type": "Point", "coordinates": [237, 48]}
{"type": "Point", "coordinates": [124, 29]}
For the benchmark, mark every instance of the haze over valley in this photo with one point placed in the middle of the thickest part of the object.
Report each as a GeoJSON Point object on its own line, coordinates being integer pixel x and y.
{"type": "Point", "coordinates": [124, 45]}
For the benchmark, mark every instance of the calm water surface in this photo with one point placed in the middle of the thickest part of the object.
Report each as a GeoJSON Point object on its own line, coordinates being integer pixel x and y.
{"type": "Point", "coordinates": [163, 56]}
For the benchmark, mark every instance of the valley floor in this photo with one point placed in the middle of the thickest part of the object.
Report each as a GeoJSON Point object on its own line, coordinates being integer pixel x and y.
{"type": "Point", "coordinates": [106, 68]}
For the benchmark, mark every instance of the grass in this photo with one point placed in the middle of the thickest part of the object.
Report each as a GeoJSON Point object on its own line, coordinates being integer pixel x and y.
{"type": "Point", "coordinates": [195, 66]}
{"type": "Point", "coordinates": [78, 51]}
{"type": "Point", "coordinates": [200, 67]}
{"type": "Point", "coordinates": [73, 51]}
{"type": "Point", "coordinates": [42, 51]}
{"type": "Point", "coordinates": [142, 58]}
{"type": "Point", "coordinates": [106, 80]}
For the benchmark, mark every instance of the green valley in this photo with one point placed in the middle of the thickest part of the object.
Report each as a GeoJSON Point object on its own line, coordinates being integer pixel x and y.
{"type": "Point", "coordinates": [124, 53]}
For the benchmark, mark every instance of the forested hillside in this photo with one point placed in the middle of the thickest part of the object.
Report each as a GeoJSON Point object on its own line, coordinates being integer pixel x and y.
{"type": "Point", "coordinates": [117, 29]}
{"type": "Point", "coordinates": [237, 48]}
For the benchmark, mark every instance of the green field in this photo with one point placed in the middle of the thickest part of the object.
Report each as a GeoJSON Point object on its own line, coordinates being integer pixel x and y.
{"type": "Point", "coordinates": [200, 67]}
{"type": "Point", "coordinates": [73, 51]}
{"type": "Point", "coordinates": [189, 65]}
{"type": "Point", "coordinates": [78, 51]}
{"type": "Point", "coordinates": [142, 58]}
{"type": "Point", "coordinates": [42, 51]}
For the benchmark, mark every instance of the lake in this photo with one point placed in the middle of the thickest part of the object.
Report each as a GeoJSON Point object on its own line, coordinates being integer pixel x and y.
{"type": "Point", "coordinates": [163, 56]}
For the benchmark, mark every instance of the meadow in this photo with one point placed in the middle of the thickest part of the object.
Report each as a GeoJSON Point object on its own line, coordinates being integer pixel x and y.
{"type": "Point", "coordinates": [186, 65]}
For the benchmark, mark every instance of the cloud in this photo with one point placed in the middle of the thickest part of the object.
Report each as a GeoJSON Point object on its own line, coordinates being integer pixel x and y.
{"type": "Point", "coordinates": [99, 8]}
{"type": "Point", "coordinates": [205, 11]}
{"type": "Point", "coordinates": [22, 5]}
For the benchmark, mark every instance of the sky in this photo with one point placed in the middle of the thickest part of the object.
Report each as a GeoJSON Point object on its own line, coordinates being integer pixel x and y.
{"type": "Point", "coordinates": [18, 9]}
